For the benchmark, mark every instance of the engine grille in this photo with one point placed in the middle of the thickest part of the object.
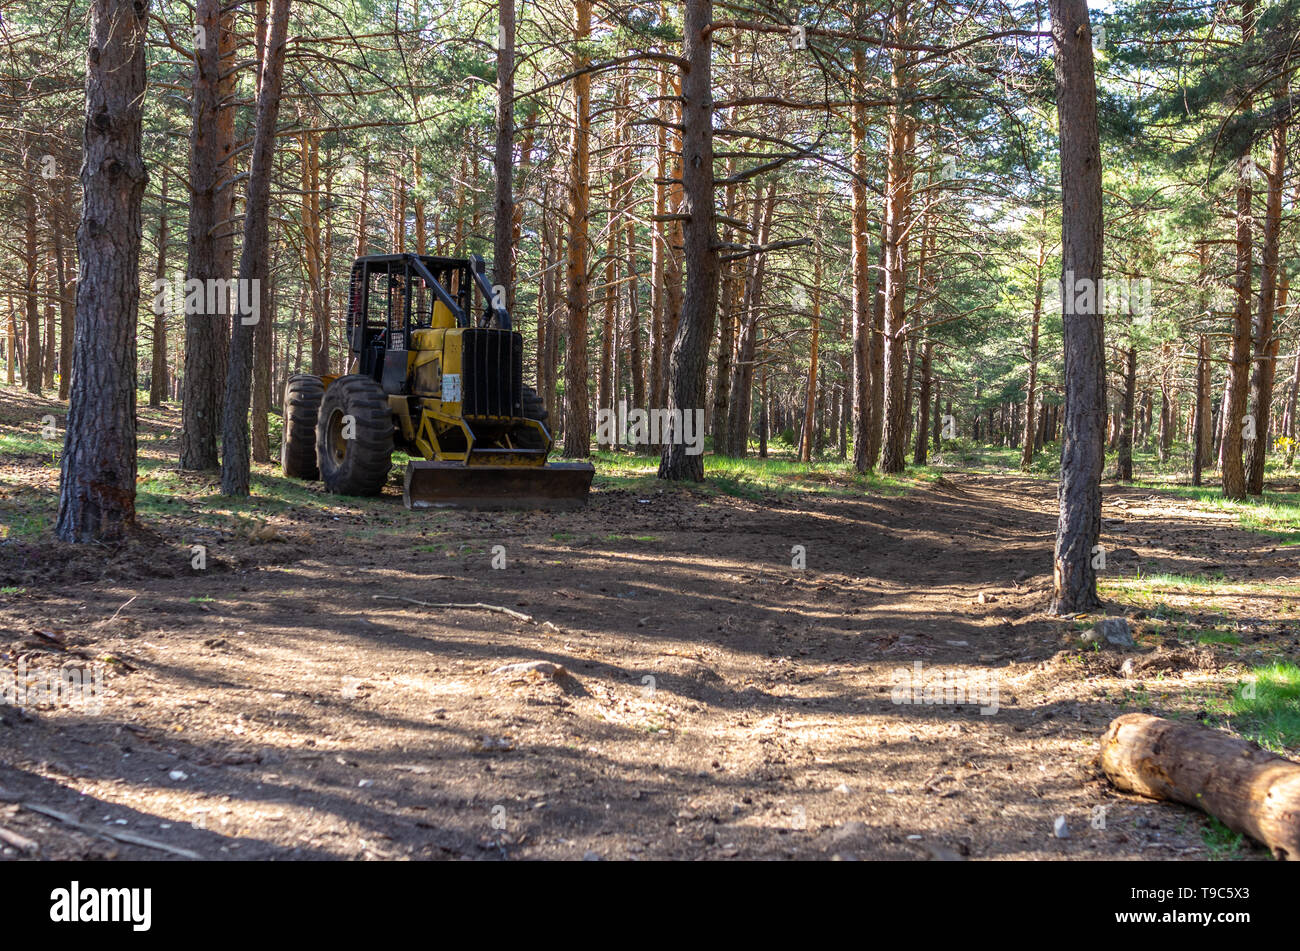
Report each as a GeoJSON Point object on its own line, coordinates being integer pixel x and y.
{"type": "Point", "coordinates": [492, 368]}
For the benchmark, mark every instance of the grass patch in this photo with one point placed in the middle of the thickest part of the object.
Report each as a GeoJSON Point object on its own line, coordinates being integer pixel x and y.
{"type": "Point", "coordinates": [1266, 707]}
{"type": "Point", "coordinates": [754, 478]}
{"type": "Point", "coordinates": [1276, 514]}
{"type": "Point", "coordinates": [1167, 583]}
{"type": "Point", "coordinates": [1218, 637]}
{"type": "Point", "coordinates": [24, 525]}
{"type": "Point", "coordinates": [13, 443]}
{"type": "Point", "coordinates": [1221, 842]}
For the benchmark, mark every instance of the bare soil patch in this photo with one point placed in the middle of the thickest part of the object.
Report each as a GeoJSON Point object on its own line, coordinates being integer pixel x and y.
{"type": "Point", "coordinates": [714, 703]}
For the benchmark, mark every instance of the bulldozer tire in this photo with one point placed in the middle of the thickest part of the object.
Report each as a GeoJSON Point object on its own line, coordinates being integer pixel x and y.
{"type": "Point", "coordinates": [354, 459]}
{"type": "Point", "coordinates": [302, 397]}
{"type": "Point", "coordinates": [534, 405]}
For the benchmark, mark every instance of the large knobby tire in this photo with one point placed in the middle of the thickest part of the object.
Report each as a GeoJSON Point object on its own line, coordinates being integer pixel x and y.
{"type": "Point", "coordinates": [534, 405]}
{"type": "Point", "coordinates": [358, 465]}
{"type": "Point", "coordinates": [302, 398]}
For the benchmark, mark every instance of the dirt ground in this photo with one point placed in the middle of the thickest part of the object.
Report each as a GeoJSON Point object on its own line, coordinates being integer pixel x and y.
{"type": "Point", "coordinates": [717, 702]}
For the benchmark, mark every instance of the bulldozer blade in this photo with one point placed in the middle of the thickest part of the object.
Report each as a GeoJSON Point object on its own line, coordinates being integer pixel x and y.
{"type": "Point", "coordinates": [436, 484]}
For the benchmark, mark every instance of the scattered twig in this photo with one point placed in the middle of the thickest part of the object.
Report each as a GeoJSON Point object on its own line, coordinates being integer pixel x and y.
{"type": "Point", "coordinates": [476, 606]}
{"type": "Point", "coordinates": [19, 842]}
{"type": "Point", "coordinates": [130, 838]}
{"type": "Point", "coordinates": [118, 611]}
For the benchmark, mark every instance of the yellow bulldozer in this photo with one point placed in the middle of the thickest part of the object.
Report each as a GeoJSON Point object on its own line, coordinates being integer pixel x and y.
{"type": "Point", "coordinates": [437, 372]}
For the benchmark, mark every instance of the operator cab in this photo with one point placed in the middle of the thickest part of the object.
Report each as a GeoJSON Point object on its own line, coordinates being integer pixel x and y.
{"type": "Point", "coordinates": [392, 295]}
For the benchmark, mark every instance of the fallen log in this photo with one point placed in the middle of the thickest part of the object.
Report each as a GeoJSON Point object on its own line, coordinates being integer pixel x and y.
{"type": "Point", "coordinates": [1248, 789]}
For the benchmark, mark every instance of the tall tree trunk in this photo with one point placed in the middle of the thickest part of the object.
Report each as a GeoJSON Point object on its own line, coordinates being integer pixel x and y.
{"type": "Point", "coordinates": [1266, 340]}
{"type": "Point", "coordinates": [1125, 470]}
{"type": "Point", "coordinates": [517, 213]}
{"type": "Point", "coordinates": [577, 412]}
{"type": "Point", "coordinates": [1074, 586]}
{"type": "Point", "coordinates": [810, 400]}
{"type": "Point", "coordinates": [897, 201]}
{"type": "Point", "coordinates": [503, 205]}
{"type": "Point", "coordinates": [263, 350]}
{"type": "Point", "coordinates": [1234, 473]}
{"type": "Point", "coordinates": [742, 382]}
{"type": "Point", "coordinates": [33, 371]}
{"type": "Point", "coordinates": [921, 455]}
{"type": "Point", "coordinates": [253, 264]}
{"type": "Point", "coordinates": [764, 414]}
{"type": "Point", "coordinates": [728, 308]}
{"type": "Point", "coordinates": [659, 249]}
{"type": "Point", "coordinates": [11, 341]}
{"type": "Point", "coordinates": [876, 417]}
{"type": "Point", "coordinates": [1202, 436]}
{"type": "Point", "coordinates": [674, 263]}
{"type": "Point", "coordinates": [605, 388]}
{"type": "Point", "coordinates": [545, 303]}
{"type": "Point", "coordinates": [636, 364]}
{"type": "Point", "coordinates": [688, 364]}
{"type": "Point", "coordinates": [204, 360]}
{"type": "Point", "coordinates": [313, 253]}
{"type": "Point", "coordinates": [1031, 390]}
{"type": "Point", "coordinates": [158, 367]}
{"type": "Point", "coordinates": [65, 270]}
{"type": "Point", "coordinates": [97, 484]}
{"type": "Point", "coordinates": [937, 418]}
{"type": "Point", "coordinates": [864, 339]}
{"type": "Point", "coordinates": [228, 173]}
{"type": "Point", "coordinates": [49, 357]}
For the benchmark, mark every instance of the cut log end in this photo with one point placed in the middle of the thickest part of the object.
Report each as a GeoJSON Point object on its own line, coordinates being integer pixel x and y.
{"type": "Point", "coordinates": [1248, 789]}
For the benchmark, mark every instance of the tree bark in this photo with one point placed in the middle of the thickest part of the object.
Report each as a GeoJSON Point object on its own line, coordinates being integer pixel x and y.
{"type": "Point", "coordinates": [158, 367]}
{"type": "Point", "coordinates": [65, 270]}
{"type": "Point", "coordinates": [1248, 789]}
{"type": "Point", "coordinates": [688, 364]}
{"type": "Point", "coordinates": [313, 253]}
{"type": "Point", "coordinates": [659, 249]}
{"type": "Point", "coordinates": [863, 337]}
{"type": "Point", "coordinates": [1031, 389]}
{"type": "Point", "coordinates": [204, 377]}
{"type": "Point", "coordinates": [1266, 340]}
{"type": "Point", "coordinates": [810, 400]}
{"type": "Point", "coordinates": [1082, 450]}
{"type": "Point", "coordinates": [97, 484]}
{"type": "Point", "coordinates": [1125, 471]}
{"type": "Point", "coordinates": [922, 453]}
{"type": "Point", "coordinates": [33, 370]}
{"type": "Point", "coordinates": [876, 418]}
{"type": "Point", "coordinates": [897, 202]}
{"type": "Point", "coordinates": [1202, 436]}
{"type": "Point", "coordinates": [577, 400]}
{"type": "Point", "coordinates": [253, 263]}
{"type": "Point", "coordinates": [1234, 473]}
{"type": "Point", "coordinates": [49, 357]}
{"type": "Point", "coordinates": [11, 342]}
{"type": "Point", "coordinates": [741, 401]}
{"type": "Point", "coordinates": [503, 205]}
